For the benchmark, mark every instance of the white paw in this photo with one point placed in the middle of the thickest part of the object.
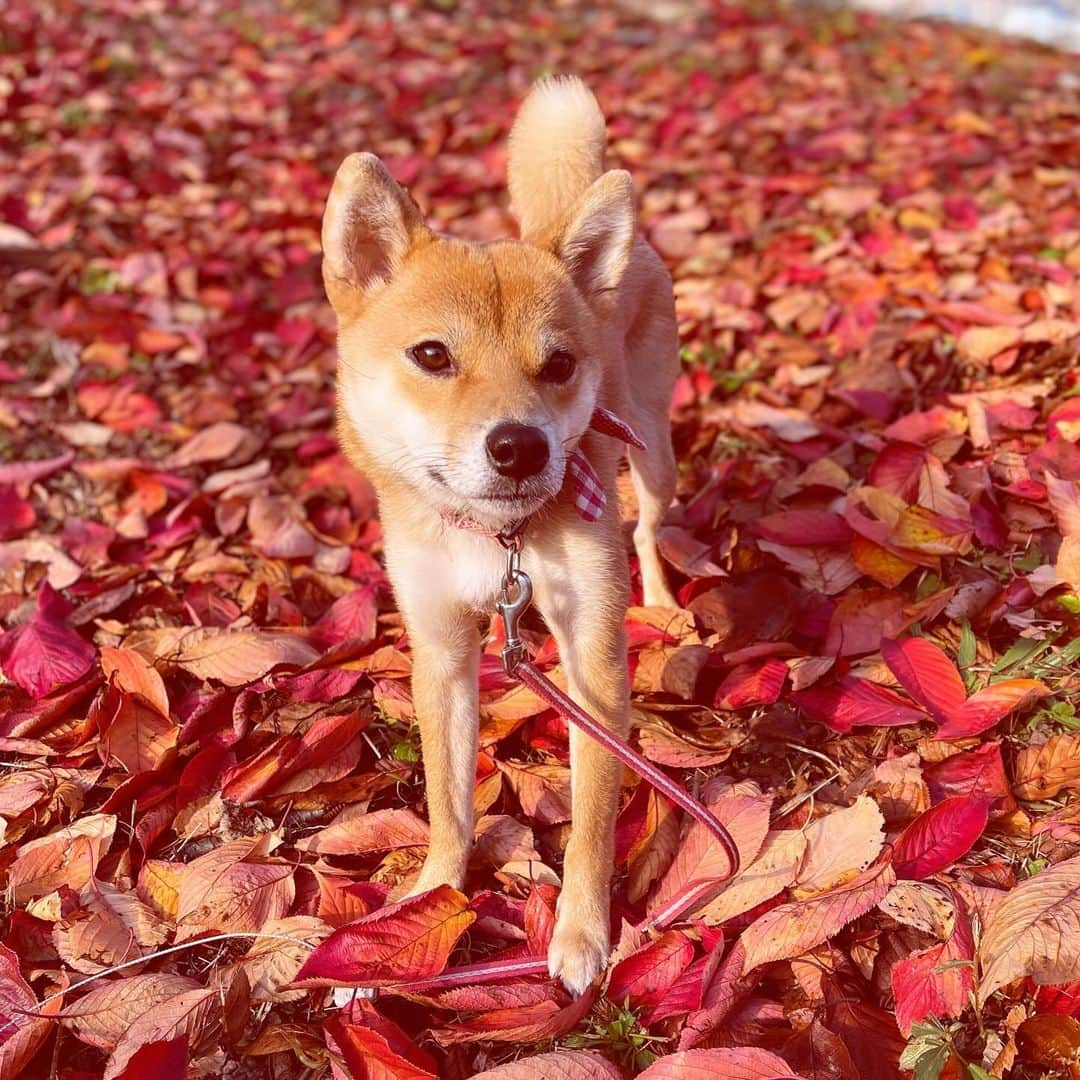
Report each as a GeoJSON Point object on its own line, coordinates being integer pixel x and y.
{"type": "Point", "coordinates": [578, 952]}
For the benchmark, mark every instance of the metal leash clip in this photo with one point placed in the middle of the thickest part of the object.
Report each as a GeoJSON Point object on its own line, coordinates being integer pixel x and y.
{"type": "Point", "coordinates": [515, 598]}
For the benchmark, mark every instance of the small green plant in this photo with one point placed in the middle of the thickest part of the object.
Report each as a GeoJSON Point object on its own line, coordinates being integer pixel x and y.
{"type": "Point", "coordinates": [929, 1048]}
{"type": "Point", "coordinates": [618, 1033]}
{"type": "Point", "coordinates": [98, 279]}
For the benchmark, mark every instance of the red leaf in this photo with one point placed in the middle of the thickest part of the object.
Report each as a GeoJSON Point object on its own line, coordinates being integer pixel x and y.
{"type": "Point", "coordinates": [352, 618]}
{"type": "Point", "coordinates": [931, 982]}
{"type": "Point", "coordinates": [979, 773]}
{"type": "Point", "coordinates": [926, 673]}
{"type": "Point", "coordinates": [939, 836]}
{"type": "Point", "coordinates": [751, 684]}
{"type": "Point", "coordinates": [22, 1027]}
{"type": "Point", "coordinates": [162, 1060]}
{"type": "Point", "coordinates": [649, 972]}
{"type": "Point", "coordinates": [45, 653]}
{"type": "Point", "coordinates": [984, 709]}
{"type": "Point", "coordinates": [540, 917]}
{"type": "Point", "coordinates": [409, 940]}
{"type": "Point", "coordinates": [16, 514]}
{"type": "Point", "coordinates": [856, 702]}
{"type": "Point", "coordinates": [375, 1048]}
{"type": "Point", "coordinates": [801, 528]}
{"type": "Point", "coordinates": [735, 1063]}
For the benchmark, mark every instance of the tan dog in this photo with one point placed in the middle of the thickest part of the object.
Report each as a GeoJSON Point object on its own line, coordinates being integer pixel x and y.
{"type": "Point", "coordinates": [468, 377]}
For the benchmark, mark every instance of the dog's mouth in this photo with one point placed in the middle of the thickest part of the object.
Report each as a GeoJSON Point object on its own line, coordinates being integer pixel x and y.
{"type": "Point", "coordinates": [526, 497]}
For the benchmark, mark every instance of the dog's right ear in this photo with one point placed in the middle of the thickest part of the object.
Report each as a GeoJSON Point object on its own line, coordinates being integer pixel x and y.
{"type": "Point", "coordinates": [369, 225]}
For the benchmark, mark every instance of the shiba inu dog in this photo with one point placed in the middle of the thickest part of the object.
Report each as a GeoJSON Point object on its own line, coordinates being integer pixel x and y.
{"type": "Point", "coordinates": [478, 386]}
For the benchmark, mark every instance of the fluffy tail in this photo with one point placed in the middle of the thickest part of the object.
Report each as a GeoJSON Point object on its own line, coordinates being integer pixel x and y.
{"type": "Point", "coordinates": [556, 151]}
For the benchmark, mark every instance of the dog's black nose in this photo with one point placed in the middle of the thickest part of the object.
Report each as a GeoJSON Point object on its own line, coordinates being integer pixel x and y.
{"type": "Point", "coordinates": [517, 450]}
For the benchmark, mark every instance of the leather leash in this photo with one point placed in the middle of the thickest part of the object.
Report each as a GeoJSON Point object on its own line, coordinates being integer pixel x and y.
{"type": "Point", "coordinates": [513, 602]}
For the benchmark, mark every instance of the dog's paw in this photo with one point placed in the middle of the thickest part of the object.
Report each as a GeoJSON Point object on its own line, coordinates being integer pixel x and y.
{"type": "Point", "coordinates": [578, 951]}
{"type": "Point", "coordinates": [432, 875]}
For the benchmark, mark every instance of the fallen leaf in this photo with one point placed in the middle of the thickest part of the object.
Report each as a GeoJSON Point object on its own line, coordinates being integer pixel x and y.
{"type": "Point", "coordinates": [1035, 931]}
{"type": "Point", "coordinates": [938, 837]}
{"type": "Point", "coordinates": [839, 845]}
{"type": "Point", "coordinates": [795, 928]}
{"type": "Point", "coordinates": [1044, 771]}
{"type": "Point", "coordinates": [736, 1063]}
{"type": "Point", "coordinates": [409, 940]}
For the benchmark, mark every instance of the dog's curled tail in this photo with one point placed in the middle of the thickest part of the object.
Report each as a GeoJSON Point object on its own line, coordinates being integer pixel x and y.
{"type": "Point", "coordinates": [556, 151]}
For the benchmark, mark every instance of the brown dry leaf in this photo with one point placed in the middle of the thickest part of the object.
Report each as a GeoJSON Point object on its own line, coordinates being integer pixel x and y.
{"type": "Point", "coordinates": [200, 1014]}
{"type": "Point", "coordinates": [661, 743]}
{"type": "Point", "coordinates": [771, 872]}
{"type": "Point", "coordinates": [159, 886]}
{"type": "Point", "coordinates": [138, 736]}
{"type": "Point", "coordinates": [1035, 931]}
{"type": "Point", "coordinates": [980, 344]}
{"type": "Point", "coordinates": [65, 857]}
{"type": "Point", "coordinates": [357, 831]}
{"type": "Point", "coordinates": [651, 855]}
{"type": "Point", "coordinates": [1045, 771]}
{"type": "Point", "coordinates": [838, 846]}
{"type": "Point", "coordinates": [923, 905]}
{"type": "Point", "coordinates": [542, 790]}
{"type": "Point", "coordinates": [227, 890]}
{"type": "Point", "coordinates": [501, 839]}
{"type": "Point", "coordinates": [792, 929]}
{"type": "Point", "coordinates": [233, 657]}
{"type": "Point", "coordinates": [560, 1065]}
{"type": "Point", "coordinates": [113, 926]}
{"type": "Point", "coordinates": [898, 787]}
{"type": "Point", "coordinates": [270, 963]}
{"type": "Point", "coordinates": [102, 1016]}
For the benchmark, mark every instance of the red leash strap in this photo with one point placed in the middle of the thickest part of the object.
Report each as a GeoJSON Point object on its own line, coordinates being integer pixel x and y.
{"type": "Point", "coordinates": [546, 690]}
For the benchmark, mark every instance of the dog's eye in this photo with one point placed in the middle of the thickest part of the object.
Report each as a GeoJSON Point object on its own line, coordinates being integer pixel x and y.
{"type": "Point", "coordinates": [432, 356]}
{"type": "Point", "coordinates": [558, 367]}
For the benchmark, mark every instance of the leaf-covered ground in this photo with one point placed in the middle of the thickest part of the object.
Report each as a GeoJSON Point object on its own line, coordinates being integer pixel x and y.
{"type": "Point", "coordinates": [206, 724]}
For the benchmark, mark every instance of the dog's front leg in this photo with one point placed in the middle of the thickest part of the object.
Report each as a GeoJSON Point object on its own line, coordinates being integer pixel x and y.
{"type": "Point", "coordinates": [446, 652]}
{"type": "Point", "coordinates": [584, 603]}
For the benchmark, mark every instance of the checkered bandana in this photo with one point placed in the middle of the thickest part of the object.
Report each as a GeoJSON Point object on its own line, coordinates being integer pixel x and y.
{"type": "Point", "coordinates": [589, 496]}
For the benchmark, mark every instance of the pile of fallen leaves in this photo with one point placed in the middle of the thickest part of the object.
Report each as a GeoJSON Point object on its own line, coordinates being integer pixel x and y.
{"type": "Point", "coordinates": [211, 787]}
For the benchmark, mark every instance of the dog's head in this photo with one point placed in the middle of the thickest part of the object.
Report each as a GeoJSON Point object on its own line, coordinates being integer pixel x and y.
{"type": "Point", "coordinates": [470, 371]}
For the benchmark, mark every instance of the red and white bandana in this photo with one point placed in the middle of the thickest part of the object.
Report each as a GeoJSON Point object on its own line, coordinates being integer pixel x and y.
{"type": "Point", "coordinates": [589, 496]}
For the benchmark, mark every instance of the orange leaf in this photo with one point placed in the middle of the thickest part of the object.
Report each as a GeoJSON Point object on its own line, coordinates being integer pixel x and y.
{"type": "Point", "coordinates": [356, 832]}
{"type": "Point", "coordinates": [129, 671]}
{"type": "Point", "coordinates": [793, 929]}
{"type": "Point", "coordinates": [984, 709]}
{"type": "Point", "coordinates": [405, 941]}
{"type": "Point", "coordinates": [1042, 772]}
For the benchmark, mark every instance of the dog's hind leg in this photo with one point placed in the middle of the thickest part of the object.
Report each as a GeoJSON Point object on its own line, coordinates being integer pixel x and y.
{"type": "Point", "coordinates": [653, 472]}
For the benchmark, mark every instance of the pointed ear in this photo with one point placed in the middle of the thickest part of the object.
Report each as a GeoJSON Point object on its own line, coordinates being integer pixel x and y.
{"type": "Point", "coordinates": [369, 225]}
{"type": "Point", "coordinates": [595, 238]}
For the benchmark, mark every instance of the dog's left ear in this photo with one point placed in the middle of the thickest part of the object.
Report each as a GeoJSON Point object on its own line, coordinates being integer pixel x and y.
{"type": "Point", "coordinates": [595, 238]}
